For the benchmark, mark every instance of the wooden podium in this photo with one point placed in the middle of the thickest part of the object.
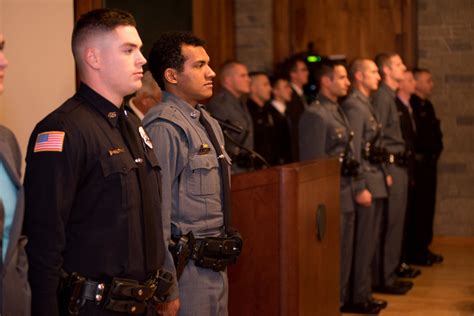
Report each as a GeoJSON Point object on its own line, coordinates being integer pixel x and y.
{"type": "Point", "coordinates": [289, 219]}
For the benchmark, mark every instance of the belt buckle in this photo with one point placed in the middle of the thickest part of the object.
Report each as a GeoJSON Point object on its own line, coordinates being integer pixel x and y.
{"type": "Point", "coordinates": [391, 158]}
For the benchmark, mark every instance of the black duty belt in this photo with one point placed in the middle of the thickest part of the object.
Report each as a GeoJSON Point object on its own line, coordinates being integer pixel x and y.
{"type": "Point", "coordinates": [400, 159]}
{"type": "Point", "coordinates": [214, 253]}
{"type": "Point", "coordinates": [120, 295]}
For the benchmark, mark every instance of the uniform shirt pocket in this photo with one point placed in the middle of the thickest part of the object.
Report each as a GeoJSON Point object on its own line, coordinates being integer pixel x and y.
{"type": "Point", "coordinates": [203, 177]}
{"type": "Point", "coordinates": [116, 164]}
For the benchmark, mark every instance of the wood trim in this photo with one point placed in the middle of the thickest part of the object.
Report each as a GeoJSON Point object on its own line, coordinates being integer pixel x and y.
{"type": "Point", "coordinates": [214, 21]}
{"type": "Point", "coordinates": [83, 6]}
{"type": "Point", "coordinates": [410, 33]}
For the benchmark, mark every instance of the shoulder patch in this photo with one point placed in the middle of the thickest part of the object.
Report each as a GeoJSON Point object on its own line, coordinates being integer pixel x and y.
{"type": "Point", "coordinates": [49, 141]}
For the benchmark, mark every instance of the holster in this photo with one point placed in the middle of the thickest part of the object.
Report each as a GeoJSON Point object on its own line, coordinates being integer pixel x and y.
{"type": "Point", "coordinates": [181, 248]}
{"type": "Point", "coordinates": [349, 167]}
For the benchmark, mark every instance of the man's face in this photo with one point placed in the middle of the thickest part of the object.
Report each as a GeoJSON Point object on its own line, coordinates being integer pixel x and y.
{"type": "Point", "coordinates": [260, 88]}
{"type": "Point", "coordinates": [396, 69]}
{"type": "Point", "coordinates": [3, 62]}
{"type": "Point", "coordinates": [194, 82]}
{"type": "Point", "coordinates": [282, 90]}
{"type": "Point", "coordinates": [424, 84]}
{"type": "Point", "coordinates": [370, 75]}
{"type": "Point", "coordinates": [239, 79]}
{"type": "Point", "coordinates": [408, 84]}
{"type": "Point", "coordinates": [121, 60]}
{"type": "Point", "coordinates": [340, 83]}
{"type": "Point", "coordinates": [299, 75]}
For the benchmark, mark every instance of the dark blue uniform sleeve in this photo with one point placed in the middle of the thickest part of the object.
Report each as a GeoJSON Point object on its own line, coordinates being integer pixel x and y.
{"type": "Point", "coordinates": [51, 181]}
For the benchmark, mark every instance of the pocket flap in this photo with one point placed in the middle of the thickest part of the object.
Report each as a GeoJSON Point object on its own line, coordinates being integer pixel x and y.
{"type": "Point", "coordinates": [203, 162]}
{"type": "Point", "coordinates": [116, 164]}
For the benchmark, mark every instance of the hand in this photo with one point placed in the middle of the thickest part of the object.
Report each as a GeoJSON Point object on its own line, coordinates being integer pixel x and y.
{"type": "Point", "coordinates": [168, 308]}
{"type": "Point", "coordinates": [389, 180]}
{"type": "Point", "coordinates": [364, 198]}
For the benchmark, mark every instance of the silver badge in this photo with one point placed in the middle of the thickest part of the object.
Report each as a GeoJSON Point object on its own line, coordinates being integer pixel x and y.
{"type": "Point", "coordinates": [145, 137]}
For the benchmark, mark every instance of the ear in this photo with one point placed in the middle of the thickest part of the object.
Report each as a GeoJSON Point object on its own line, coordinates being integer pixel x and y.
{"type": "Point", "coordinates": [325, 81]}
{"type": "Point", "coordinates": [358, 75]}
{"type": "Point", "coordinates": [91, 58]}
{"type": "Point", "coordinates": [170, 76]}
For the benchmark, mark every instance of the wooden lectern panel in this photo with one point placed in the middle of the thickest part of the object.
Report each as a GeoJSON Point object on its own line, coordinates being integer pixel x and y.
{"type": "Point", "coordinates": [284, 268]}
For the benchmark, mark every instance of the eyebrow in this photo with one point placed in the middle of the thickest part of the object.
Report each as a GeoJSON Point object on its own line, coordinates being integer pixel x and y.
{"type": "Point", "coordinates": [131, 45]}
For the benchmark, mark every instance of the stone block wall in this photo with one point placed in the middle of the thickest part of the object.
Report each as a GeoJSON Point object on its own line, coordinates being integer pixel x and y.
{"type": "Point", "coordinates": [254, 33]}
{"type": "Point", "coordinates": [446, 47]}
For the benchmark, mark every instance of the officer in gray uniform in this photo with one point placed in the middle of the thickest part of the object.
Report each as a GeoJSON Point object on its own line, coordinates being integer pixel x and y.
{"type": "Point", "coordinates": [229, 105]}
{"type": "Point", "coordinates": [324, 131]}
{"type": "Point", "coordinates": [372, 186]}
{"type": "Point", "coordinates": [391, 69]}
{"type": "Point", "coordinates": [190, 147]}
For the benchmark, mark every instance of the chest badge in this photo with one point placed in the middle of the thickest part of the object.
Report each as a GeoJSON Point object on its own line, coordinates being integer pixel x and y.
{"type": "Point", "coordinates": [145, 137]}
{"type": "Point", "coordinates": [204, 149]}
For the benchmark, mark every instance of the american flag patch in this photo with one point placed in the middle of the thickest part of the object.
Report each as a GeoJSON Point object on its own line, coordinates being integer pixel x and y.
{"type": "Point", "coordinates": [49, 141]}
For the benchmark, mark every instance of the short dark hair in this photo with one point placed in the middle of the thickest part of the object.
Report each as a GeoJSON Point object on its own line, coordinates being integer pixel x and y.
{"type": "Point", "coordinates": [257, 73]}
{"type": "Point", "coordinates": [383, 59]}
{"type": "Point", "coordinates": [289, 65]}
{"type": "Point", "coordinates": [355, 66]}
{"type": "Point", "coordinates": [275, 79]}
{"type": "Point", "coordinates": [166, 53]}
{"type": "Point", "coordinates": [100, 20]}
{"type": "Point", "coordinates": [326, 69]}
{"type": "Point", "coordinates": [417, 71]}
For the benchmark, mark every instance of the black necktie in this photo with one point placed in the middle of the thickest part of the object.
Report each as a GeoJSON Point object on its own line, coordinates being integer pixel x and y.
{"type": "Point", "coordinates": [223, 166]}
{"type": "Point", "coordinates": [152, 240]}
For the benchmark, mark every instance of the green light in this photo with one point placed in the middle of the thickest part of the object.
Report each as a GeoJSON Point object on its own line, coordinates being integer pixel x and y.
{"type": "Point", "coordinates": [313, 59]}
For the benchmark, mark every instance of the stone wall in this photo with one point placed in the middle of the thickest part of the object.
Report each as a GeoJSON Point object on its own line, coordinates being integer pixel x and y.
{"type": "Point", "coordinates": [254, 33]}
{"type": "Point", "coordinates": [446, 47]}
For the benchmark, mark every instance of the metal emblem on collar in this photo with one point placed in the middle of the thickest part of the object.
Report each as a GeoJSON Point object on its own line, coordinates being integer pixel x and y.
{"type": "Point", "coordinates": [112, 114]}
{"type": "Point", "coordinates": [194, 114]}
{"type": "Point", "coordinates": [145, 137]}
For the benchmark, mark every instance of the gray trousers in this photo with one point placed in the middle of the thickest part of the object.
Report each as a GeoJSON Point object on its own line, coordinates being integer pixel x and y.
{"type": "Point", "coordinates": [366, 231]}
{"type": "Point", "coordinates": [389, 246]}
{"type": "Point", "coordinates": [347, 250]}
{"type": "Point", "coordinates": [202, 292]}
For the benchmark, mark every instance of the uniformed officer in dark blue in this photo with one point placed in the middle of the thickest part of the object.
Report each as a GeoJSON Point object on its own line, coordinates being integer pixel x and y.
{"type": "Point", "coordinates": [93, 186]}
{"type": "Point", "coordinates": [428, 148]}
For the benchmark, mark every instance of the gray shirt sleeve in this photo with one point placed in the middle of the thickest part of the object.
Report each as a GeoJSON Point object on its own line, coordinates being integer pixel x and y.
{"type": "Point", "coordinates": [312, 136]}
{"type": "Point", "coordinates": [167, 142]}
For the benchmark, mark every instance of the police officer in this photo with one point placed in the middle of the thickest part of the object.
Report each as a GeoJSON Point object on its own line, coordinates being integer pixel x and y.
{"type": "Point", "coordinates": [325, 132]}
{"type": "Point", "coordinates": [408, 127]}
{"type": "Point", "coordinates": [391, 69]}
{"type": "Point", "coordinates": [15, 293]}
{"type": "Point", "coordinates": [371, 189]}
{"type": "Point", "coordinates": [229, 105]}
{"type": "Point", "coordinates": [296, 71]}
{"type": "Point", "coordinates": [92, 186]}
{"type": "Point", "coordinates": [263, 125]}
{"type": "Point", "coordinates": [428, 148]}
{"type": "Point", "coordinates": [196, 174]}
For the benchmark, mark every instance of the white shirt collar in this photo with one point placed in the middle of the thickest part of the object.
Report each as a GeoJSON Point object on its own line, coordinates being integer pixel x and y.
{"type": "Point", "coordinates": [136, 110]}
{"type": "Point", "coordinates": [298, 90]}
{"type": "Point", "coordinates": [279, 106]}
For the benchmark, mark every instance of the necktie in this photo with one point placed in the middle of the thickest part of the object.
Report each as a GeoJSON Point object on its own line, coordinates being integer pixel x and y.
{"type": "Point", "coordinates": [223, 166]}
{"type": "Point", "coordinates": [152, 240]}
